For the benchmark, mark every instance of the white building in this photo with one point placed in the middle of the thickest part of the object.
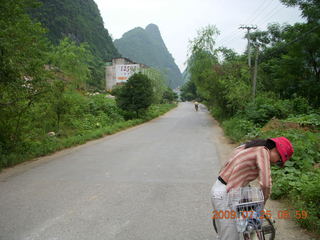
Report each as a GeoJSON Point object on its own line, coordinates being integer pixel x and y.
{"type": "Point", "coordinates": [120, 70]}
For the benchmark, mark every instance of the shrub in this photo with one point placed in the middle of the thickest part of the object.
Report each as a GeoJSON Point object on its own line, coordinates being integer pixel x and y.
{"type": "Point", "coordinates": [99, 104]}
{"type": "Point", "coordinates": [265, 107]}
{"type": "Point", "coordinates": [299, 180]}
{"type": "Point", "coordinates": [307, 198]}
{"type": "Point", "coordinates": [136, 95]}
{"type": "Point", "coordinates": [238, 128]}
{"type": "Point", "coordinates": [300, 105]}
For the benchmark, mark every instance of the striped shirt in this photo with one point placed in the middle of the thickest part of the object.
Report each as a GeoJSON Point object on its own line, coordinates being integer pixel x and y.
{"type": "Point", "coordinates": [246, 165]}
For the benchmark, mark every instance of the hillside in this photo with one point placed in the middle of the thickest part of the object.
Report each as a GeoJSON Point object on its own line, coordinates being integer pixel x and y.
{"type": "Point", "coordinates": [147, 46]}
{"type": "Point", "coordinates": [79, 20]}
{"type": "Point", "coordinates": [186, 76]}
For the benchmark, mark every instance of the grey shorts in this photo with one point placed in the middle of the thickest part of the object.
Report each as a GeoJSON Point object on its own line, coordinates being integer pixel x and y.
{"type": "Point", "coordinates": [226, 226]}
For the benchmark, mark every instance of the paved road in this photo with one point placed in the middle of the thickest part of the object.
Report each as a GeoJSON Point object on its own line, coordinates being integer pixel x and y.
{"type": "Point", "coordinates": [148, 182]}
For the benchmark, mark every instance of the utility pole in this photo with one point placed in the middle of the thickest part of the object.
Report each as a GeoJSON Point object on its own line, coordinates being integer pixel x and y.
{"type": "Point", "coordinates": [254, 80]}
{"type": "Point", "coordinates": [248, 37]}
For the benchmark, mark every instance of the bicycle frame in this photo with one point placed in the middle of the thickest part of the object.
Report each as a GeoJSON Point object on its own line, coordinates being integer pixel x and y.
{"type": "Point", "coordinates": [248, 204]}
{"type": "Point", "coordinates": [268, 230]}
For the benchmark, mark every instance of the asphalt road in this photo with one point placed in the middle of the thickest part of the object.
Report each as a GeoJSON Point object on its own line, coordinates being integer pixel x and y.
{"type": "Point", "coordinates": [149, 182]}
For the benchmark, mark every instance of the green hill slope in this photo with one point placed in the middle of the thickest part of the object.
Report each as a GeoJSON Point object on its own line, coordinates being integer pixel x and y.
{"type": "Point", "coordinates": [146, 46]}
{"type": "Point", "coordinates": [79, 20]}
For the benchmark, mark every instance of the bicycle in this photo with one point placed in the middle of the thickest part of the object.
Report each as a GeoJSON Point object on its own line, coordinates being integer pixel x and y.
{"type": "Point", "coordinates": [247, 206]}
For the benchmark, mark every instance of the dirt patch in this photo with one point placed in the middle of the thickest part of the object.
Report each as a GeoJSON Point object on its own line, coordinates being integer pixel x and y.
{"type": "Point", "coordinates": [281, 125]}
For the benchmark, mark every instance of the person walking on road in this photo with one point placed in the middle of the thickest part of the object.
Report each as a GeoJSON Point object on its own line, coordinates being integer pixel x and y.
{"type": "Point", "coordinates": [196, 105]}
{"type": "Point", "coordinates": [248, 162]}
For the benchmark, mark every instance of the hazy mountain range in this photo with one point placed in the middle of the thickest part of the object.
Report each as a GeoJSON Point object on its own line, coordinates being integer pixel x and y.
{"type": "Point", "coordinates": [147, 46]}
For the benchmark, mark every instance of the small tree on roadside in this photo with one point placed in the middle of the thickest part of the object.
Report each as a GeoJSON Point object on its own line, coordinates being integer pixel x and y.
{"type": "Point", "coordinates": [169, 96]}
{"type": "Point", "coordinates": [136, 95]}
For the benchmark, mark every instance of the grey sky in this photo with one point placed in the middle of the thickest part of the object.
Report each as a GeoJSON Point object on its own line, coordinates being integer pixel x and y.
{"type": "Point", "coordinates": [179, 20]}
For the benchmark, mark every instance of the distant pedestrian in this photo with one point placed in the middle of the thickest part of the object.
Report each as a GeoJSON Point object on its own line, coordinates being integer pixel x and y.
{"type": "Point", "coordinates": [196, 105]}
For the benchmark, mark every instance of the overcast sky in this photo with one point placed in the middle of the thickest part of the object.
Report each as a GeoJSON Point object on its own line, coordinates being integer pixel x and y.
{"type": "Point", "coordinates": [179, 20]}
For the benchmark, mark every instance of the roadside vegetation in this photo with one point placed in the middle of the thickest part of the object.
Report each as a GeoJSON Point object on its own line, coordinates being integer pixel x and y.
{"type": "Point", "coordinates": [51, 96]}
{"type": "Point", "coordinates": [285, 101]}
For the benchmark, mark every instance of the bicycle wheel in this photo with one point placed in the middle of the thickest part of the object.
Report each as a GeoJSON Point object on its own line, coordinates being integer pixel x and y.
{"type": "Point", "coordinates": [254, 235]}
{"type": "Point", "coordinates": [268, 229]}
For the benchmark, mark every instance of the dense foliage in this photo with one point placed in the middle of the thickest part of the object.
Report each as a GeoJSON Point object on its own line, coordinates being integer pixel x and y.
{"type": "Point", "coordinates": [146, 46]}
{"type": "Point", "coordinates": [286, 100]}
{"type": "Point", "coordinates": [21, 70]}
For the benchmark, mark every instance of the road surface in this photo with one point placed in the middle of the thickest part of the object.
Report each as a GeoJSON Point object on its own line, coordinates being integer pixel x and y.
{"type": "Point", "coordinates": [149, 182]}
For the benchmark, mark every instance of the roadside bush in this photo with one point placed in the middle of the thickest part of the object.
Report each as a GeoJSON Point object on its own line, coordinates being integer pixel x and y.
{"type": "Point", "coordinates": [299, 180]}
{"type": "Point", "coordinates": [306, 197]}
{"type": "Point", "coordinates": [99, 104]}
{"type": "Point", "coordinates": [300, 105]}
{"type": "Point", "coordinates": [216, 112]}
{"type": "Point", "coordinates": [265, 107]}
{"type": "Point", "coordinates": [238, 128]}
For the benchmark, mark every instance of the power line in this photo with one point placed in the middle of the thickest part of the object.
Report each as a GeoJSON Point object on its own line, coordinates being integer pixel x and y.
{"type": "Point", "coordinates": [257, 18]}
{"type": "Point", "coordinates": [266, 16]}
{"type": "Point", "coordinates": [276, 12]}
{"type": "Point", "coordinates": [231, 33]}
{"type": "Point", "coordinates": [258, 12]}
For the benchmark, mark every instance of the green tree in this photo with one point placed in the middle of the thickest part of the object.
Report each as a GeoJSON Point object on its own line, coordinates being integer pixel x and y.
{"type": "Point", "coordinates": [189, 91]}
{"type": "Point", "coordinates": [289, 61]}
{"type": "Point", "coordinates": [169, 96]}
{"type": "Point", "coordinates": [74, 61]}
{"type": "Point", "coordinates": [310, 8]}
{"type": "Point", "coordinates": [136, 95]}
{"type": "Point", "coordinates": [59, 103]}
{"type": "Point", "coordinates": [158, 82]}
{"type": "Point", "coordinates": [220, 76]}
{"type": "Point", "coordinates": [204, 40]}
{"type": "Point", "coordinates": [23, 50]}
{"type": "Point", "coordinates": [201, 61]}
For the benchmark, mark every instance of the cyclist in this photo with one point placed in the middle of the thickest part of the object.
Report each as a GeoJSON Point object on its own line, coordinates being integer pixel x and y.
{"type": "Point", "coordinates": [248, 162]}
{"type": "Point", "coordinates": [196, 105]}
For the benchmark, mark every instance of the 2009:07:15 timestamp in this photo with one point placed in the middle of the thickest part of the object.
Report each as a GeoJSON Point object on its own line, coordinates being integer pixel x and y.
{"type": "Point", "coordinates": [282, 214]}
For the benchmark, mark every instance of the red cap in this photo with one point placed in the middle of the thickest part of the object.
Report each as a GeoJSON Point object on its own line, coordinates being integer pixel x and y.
{"type": "Point", "coordinates": [284, 148]}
